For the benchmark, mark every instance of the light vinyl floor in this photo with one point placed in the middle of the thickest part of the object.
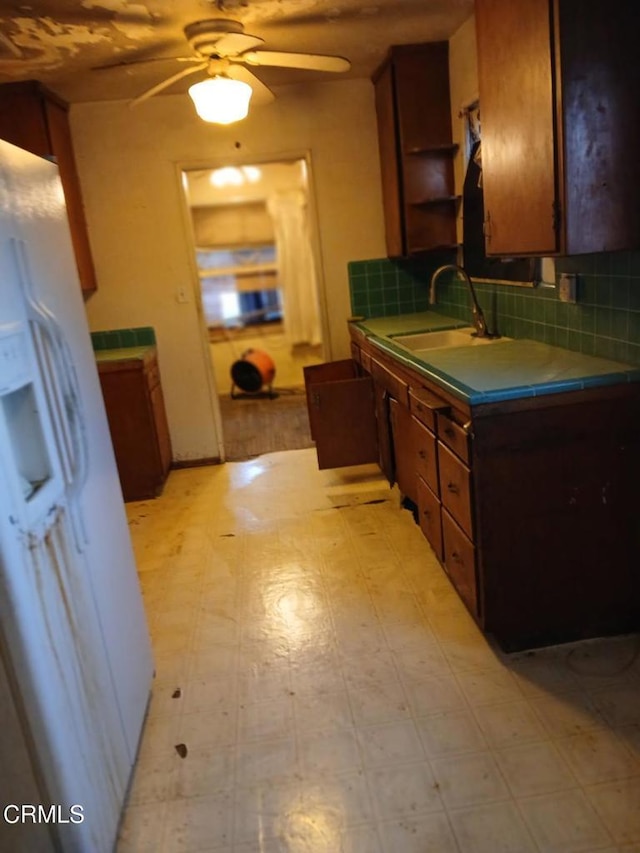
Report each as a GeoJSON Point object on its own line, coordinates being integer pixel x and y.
{"type": "Point", "coordinates": [321, 689]}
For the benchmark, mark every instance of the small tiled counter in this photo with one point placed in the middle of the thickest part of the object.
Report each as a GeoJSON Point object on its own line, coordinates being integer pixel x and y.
{"type": "Point", "coordinates": [130, 381]}
{"type": "Point", "coordinates": [521, 462]}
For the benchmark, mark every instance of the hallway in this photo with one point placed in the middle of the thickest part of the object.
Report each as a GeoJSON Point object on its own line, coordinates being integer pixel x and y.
{"type": "Point", "coordinates": [321, 689]}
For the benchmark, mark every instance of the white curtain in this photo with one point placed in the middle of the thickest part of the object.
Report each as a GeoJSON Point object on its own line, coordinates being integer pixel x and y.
{"type": "Point", "coordinates": [298, 282]}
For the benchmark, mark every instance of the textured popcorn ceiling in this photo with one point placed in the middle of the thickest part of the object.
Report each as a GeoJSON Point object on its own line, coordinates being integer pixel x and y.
{"type": "Point", "coordinates": [60, 41]}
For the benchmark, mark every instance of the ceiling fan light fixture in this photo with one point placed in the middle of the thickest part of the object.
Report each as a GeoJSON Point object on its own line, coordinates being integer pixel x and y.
{"type": "Point", "coordinates": [221, 100]}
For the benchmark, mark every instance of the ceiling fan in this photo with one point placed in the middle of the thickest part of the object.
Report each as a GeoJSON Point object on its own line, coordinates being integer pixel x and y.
{"type": "Point", "coordinates": [222, 50]}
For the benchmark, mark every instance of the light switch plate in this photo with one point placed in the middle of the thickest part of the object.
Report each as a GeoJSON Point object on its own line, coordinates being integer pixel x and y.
{"type": "Point", "coordinates": [567, 288]}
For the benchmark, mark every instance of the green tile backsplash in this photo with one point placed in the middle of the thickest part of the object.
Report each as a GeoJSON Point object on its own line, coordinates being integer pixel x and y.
{"type": "Point", "coordinates": [117, 338]}
{"type": "Point", "coordinates": [604, 322]}
{"type": "Point", "coordinates": [382, 288]}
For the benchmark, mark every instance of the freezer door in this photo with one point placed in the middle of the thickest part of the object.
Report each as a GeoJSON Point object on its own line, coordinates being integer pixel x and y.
{"type": "Point", "coordinates": [95, 566]}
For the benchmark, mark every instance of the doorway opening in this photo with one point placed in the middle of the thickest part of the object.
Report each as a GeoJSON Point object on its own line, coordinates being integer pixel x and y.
{"type": "Point", "coordinates": [258, 281]}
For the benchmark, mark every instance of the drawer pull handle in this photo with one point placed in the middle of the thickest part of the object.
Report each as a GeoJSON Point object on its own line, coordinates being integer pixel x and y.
{"type": "Point", "coordinates": [316, 399]}
{"type": "Point", "coordinates": [467, 428]}
{"type": "Point", "coordinates": [426, 513]}
{"type": "Point", "coordinates": [456, 557]}
{"type": "Point", "coordinates": [422, 454]}
{"type": "Point", "coordinates": [449, 431]}
{"type": "Point", "coordinates": [453, 488]}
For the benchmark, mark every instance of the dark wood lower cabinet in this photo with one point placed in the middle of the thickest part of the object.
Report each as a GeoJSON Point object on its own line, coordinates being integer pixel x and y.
{"type": "Point", "coordinates": [138, 424]}
{"type": "Point", "coordinates": [530, 505]}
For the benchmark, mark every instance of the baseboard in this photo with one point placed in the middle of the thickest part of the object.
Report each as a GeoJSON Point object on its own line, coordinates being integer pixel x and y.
{"type": "Point", "coordinates": [196, 463]}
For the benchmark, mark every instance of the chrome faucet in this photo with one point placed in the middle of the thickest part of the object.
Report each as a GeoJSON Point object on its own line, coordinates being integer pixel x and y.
{"type": "Point", "coordinates": [478, 317]}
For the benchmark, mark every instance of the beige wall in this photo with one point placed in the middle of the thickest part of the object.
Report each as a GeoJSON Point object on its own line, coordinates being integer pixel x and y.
{"type": "Point", "coordinates": [127, 160]}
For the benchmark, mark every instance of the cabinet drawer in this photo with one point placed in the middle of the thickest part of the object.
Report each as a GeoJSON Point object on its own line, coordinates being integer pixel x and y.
{"type": "Point", "coordinates": [426, 459]}
{"type": "Point", "coordinates": [396, 387]}
{"type": "Point", "coordinates": [455, 488]}
{"type": "Point", "coordinates": [453, 435]}
{"type": "Point", "coordinates": [365, 361]}
{"type": "Point", "coordinates": [430, 518]}
{"type": "Point", "coordinates": [424, 404]}
{"type": "Point", "coordinates": [460, 562]}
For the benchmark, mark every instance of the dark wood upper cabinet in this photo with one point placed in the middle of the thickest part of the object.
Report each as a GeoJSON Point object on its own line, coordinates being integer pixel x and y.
{"type": "Point", "coordinates": [35, 119]}
{"type": "Point", "coordinates": [560, 126]}
{"type": "Point", "coordinates": [416, 151]}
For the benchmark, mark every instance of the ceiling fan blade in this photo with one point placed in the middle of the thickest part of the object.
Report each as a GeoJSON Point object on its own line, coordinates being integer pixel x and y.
{"type": "Point", "coordinates": [159, 87]}
{"type": "Point", "coordinates": [261, 94]}
{"type": "Point", "coordinates": [307, 61]}
{"type": "Point", "coordinates": [232, 44]}
{"type": "Point", "coordinates": [151, 60]}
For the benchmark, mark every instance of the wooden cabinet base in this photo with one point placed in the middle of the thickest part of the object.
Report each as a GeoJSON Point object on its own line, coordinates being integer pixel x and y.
{"type": "Point", "coordinates": [137, 421]}
{"type": "Point", "coordinates": [530, 505]}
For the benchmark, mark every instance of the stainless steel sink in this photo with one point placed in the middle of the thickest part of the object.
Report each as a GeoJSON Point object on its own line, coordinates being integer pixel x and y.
{"type": "Point", "coordinates": [440, 340]}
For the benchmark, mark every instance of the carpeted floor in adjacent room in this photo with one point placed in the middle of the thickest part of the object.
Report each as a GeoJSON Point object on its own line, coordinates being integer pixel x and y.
{"type": "Point", "coordinates": [253, 425]}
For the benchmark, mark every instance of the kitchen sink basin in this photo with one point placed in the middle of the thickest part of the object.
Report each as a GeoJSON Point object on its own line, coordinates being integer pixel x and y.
{"type": "Point", "coordinates": [442, 339]}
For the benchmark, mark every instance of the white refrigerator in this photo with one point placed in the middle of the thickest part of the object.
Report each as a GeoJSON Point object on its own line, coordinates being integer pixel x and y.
{"type": "Point", "coordinates": [75, 655]}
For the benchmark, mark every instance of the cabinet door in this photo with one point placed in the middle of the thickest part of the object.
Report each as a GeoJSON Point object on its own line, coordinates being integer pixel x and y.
{"type": "Point", "coordinates": [22, 119]}
{"type": "Point", "coordinates": [389, 161]}
{"type": "Point", "coordinates": [515, 75]}
{"type": "Point", "coordinates": [404, 450]}
{"type": "Point", "coordinates": [341, 414]}
{"type": "Point", "coordinates": [430, 518]}
{"type": "Point", "coordinates": [460, 562]}
{"type": "Point", "coordinates": [62, 148]}
{"type": "Point", "coordinates": [383, 425]}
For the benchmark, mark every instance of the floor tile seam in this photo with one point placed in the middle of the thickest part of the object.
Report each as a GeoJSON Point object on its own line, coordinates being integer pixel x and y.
{"type": "Point", "coordinates": [626, 777]}
{"type": "Point", "coordinates": [557, 753]}
{"type": "Point", "coordinates": [196, 668]}
{"type": "Point", "coordinates": [535, 848]}
{"type": "Point", "coordinates": [246, 741]}
{"type": "Point", "coordinates": [335, 633]}
{"type": "Point", "coordinates": [156, 626]}
{"type": "Point", "coordinates": [618, 739]}
{"type": "Point", "coordinates": [166, 841]}
{"type": "Point", "coordinates": [432, 639]}
{"type": "Point", "coordinates": [417, 717]}
{"type": "Point", "coordinates": [597, 725]}
{"type": "Point", "coordinates": [592, 788]}
{"type": "Point", "coordinates": [541, 737]}
{"type": "Point", "coordinates": [439, 808]}
{"type": "Point", "coordinates": [491, 751]}
{"type": "Point", "coordinates": [521, 801]}
{"type": "Point", "coordinates": [355, 728]}
{"type": "Point", "coordinates": [546, 738]}
{"type": "Point", "coordinates": [299, 733]}
{"type": "Point", "coordinates": [163, 808]}
{"type": "Point", "coordinates": [403, 763]}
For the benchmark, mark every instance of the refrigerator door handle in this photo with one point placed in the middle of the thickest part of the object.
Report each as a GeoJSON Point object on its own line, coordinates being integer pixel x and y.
{"type": "Point", "coordinates": [62, 388]}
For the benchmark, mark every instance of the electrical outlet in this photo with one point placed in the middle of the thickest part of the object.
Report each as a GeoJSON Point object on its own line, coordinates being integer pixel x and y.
{"type": "Point", "coordinates": [567, 287]}
{"type": "Point", "coordinates": [181, 295]}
